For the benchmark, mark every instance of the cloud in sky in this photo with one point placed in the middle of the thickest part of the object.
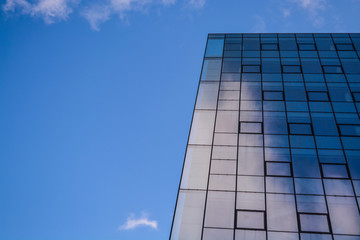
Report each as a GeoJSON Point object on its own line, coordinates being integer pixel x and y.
{"type": "Point", "coordinates": [49, 10]}
{"type": "Point", "coordinates": [95, 12]}
{"type": "Point", "coordinates": [132, 222]}
{"type": "Point", "coordinates": [313, 7]}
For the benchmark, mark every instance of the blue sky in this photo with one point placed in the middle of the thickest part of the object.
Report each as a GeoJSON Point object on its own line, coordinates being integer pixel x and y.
{"type": "Point", "coordinates": [96, 100]}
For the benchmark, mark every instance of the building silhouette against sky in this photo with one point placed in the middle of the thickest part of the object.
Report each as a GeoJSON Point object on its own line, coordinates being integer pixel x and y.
{"type": "Point", "coordinates": [274, 145]}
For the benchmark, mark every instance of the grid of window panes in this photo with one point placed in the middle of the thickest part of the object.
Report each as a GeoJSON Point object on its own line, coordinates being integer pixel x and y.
{"type": "Point", "coordinates": [274, 146]}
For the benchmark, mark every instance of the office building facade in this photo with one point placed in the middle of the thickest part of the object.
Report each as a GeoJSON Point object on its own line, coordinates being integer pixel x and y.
{"type": "Point", "coordinates": [274, 145]}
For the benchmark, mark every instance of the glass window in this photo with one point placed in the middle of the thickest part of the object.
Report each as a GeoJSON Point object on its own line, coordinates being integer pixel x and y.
{"type": "Point", "coordinates": [300, 128]}
{"type": "Point", "coordinates": [207, 96]}
{"type": "Point", "coordinates": [251, 140]}
{"type": "Point", "coordinates": [324, 124]}
{"type": "Point", "coordinates": [338, 187]}
{"type": "Point", "coordinates": [274, 106]}
{"type": "Point", "coordinates": [318, 96]}
{"type": "Point", "coordinates": [251, 91]}
{"type": "Point", "coordinates": [299, 141]}
{"type": "Point", "coordinates": [311, 65]}
{"type": "Point", "coordinates": [250, 219]}
{"type": "Point", "coordinates": [328, 142]}
{"type": "Point", "coordinates": [309, 186]}
{"type": "Point", "coordinates": [350, 130]}
{"type": "Point", "coordinates": [295, 92]}
{"type": "Point", "coordinates": [307, 47]}
{"type": "Point", "coordinates": [331, 156]}
{"type": "Point", "coordinates": [251, 116]}
{"type": "Point", "coordinates": [251, 105]}
{"type": "Point", "coordinates": [251, 77]}
{"type": "Point", "coordinates": [271, 77]}
{"type": "Point", "coordinates": [297, 106]}
{"type": "Point", "coordinates": [305, 163]}
{"type": "Point", "coordinates": [211, 70]}
{"type": "Point", "coordinates": [251, 44]}
{"type": "Point", "coordinates": [220, 209]}
{"type": "Point", "coordinates": [274, 95]}
{"type": "Point", "coordinates": [223, 167]}
{"type": "Point", "coordinates": [251, 161]}
{"type": "Point", "coordinates": [353, 159]}
{"type": "Point", "coordinates": [332, 69]}
{"type": "Point", "coordinates": [278, 169]}
{"type": "Point", "coordinates": [332, 78]}
{"type": "Point", "coordinates": [339, 92]}
{"type": "Point", "coordinates": [189, 214]}
{"type": "Point", "coordinates": [232, 65]}
{"type": "Point", "coordinates": [291, 69]}
{"type": "Point", "coordinates": [250, 235]}
{"type": "Point", "coordinates": [251, 69]}
{"type": "Point", "coordinates": [311, 204]}
{"type": "Point", "coordinates": [270, 65]}
{"type": "Point", "coordinates": [275, 123]}
{"type": "Point", "coordinates": [269, 47]}
{"type": "Point", "coordinates": [320, 107]}
{"type": "Point", "coordinates": [277, 154]}
{"type": "Point", "coordinates": [196, 167]}
{"type": "Point", "coordinates": [351, 142]}
{"type": "Point", "coordinates": [298, 117]}
{"type": "Point", "coordinates": [217, 233]}
{"type": "Point", "coordinates": [202, 127]}
{"type": "Point", "coordinates": [281, 212]}
{"type": "Point", "coordinates": [250, 127]}
{"type": "Point", "coordinates": [288, 44]}
{"type": "Point", "coordinates": [250, 184]}
{"type": "Point", "coordinates": [214, 48]}
{"type": "Point", "coordinates": [325, 44]}
{"type": "Point", "coordinates": [279, 185]}
{"type": "Point", "coordinates": [225, 139]}
{"type": "Point", "coordinates": [233, 77]}
{"type": "Point", "coordinates": [351, 65]}
{"type": "Point", "coordinates": [282, 236]}
{"type": "Point", "coordinates": [222, 182]}
{"type": "Point", "coordinates": [344, 215]}
{"type": "Point", "coordinates": [250, 201]}
{"type": "Point", "coordinates": [224, 152]}
{"type": "Point", "coordinates": [276, 141]}
{"type": "Point", "coordinates": [227, 121]}
{"type": "Point", "coordinates": [314, 223]}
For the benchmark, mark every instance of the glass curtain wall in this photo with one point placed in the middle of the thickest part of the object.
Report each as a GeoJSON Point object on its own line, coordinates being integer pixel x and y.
{"type": "Point", "coordinates": [274, 145]}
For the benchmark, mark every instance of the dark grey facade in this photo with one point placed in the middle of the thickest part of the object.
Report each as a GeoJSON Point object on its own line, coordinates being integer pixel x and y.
{"type": "Point", "coordinates": [274, 145]}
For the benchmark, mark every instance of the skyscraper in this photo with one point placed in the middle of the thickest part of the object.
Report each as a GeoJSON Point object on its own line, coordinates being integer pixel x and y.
{"type": "Point", "coordinates": [274, 145]}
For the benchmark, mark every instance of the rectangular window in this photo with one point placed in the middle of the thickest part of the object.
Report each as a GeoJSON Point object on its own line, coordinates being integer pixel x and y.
{"type": "Point", "coordinates": [273, 95]}
{"type": "Point", "coordinates": [291, 69]}
{"type": "Point", "coordinates": [278, 169]}
{"type": "Point", "coordinates": [251, 68]}
{"type": "Point", "coordinates": [247, 219]}
{"type": "Point", "coordinates": [300, 128]}
{"type": "Point", "coordinates": [318, 96]}
{"type": "Point", "coordinates": [334, 171]}
{"type": "Point", "coordinates": [251, 127]}
{"type": "Point", "coordinates": [314, 223]}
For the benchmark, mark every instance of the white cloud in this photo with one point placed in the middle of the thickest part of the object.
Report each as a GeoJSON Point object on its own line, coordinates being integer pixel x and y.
{"type": "Point", "coordinates": [260, 25]}
{"type": "Point", "coordinates": [313, 7]}
{"type": "Point", "coordinates": [95, 12]}
{"type": "Point", "coordinates": [97, 15]}
{"type": "Point", "coordinates": [49, 10]}
{"type": "Point", "coordinates": [197, 3]}
{"type": "Point", "coordinates": [132, 223]}
{"type": "Point", "coordinates": [286, 12]}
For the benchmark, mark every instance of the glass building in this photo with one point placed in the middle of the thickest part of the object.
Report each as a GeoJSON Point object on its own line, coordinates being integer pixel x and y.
{"type": "Point", "coordinates": [274, 145]}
